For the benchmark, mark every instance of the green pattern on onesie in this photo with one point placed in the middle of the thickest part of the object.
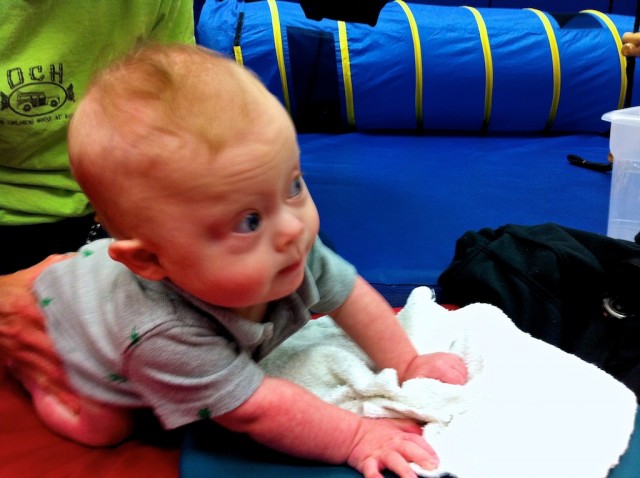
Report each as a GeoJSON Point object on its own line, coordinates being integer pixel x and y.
{"type": "Point", "coordinates": [45, 301]}
{"type": "Point", "coordinates": [116, 378]}
{"type": "Point", "coordinates": [134, 336]}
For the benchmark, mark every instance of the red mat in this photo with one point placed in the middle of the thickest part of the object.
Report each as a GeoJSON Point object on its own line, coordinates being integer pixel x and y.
{"type": "Point", "coordinates": [29, 450]}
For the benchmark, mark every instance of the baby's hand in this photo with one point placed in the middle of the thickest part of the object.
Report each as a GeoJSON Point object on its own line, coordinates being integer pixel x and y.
{"type": "Point", "coordinates": [388, 444]}
{"type": "Point", "coordinates": [443, 366]}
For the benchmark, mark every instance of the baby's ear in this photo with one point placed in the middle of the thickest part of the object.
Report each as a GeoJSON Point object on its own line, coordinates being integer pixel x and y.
{"type": "Point", "coordinates": [133, 254]}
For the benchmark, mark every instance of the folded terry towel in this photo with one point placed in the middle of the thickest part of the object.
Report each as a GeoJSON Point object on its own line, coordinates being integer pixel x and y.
{"type": "Point", "coordinates": [529, 409]}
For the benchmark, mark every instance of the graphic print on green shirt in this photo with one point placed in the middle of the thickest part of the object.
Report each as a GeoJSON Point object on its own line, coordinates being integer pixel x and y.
{"type": "Point", "coordinates": [48, 53]}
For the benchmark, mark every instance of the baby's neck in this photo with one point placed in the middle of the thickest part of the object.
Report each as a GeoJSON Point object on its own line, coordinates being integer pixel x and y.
{"type": "Point", "coordinates": [254, 313]}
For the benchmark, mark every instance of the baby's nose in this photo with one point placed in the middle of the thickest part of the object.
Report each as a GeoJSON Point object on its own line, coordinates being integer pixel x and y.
{"type": "Point", "coordinates": [290, 229]}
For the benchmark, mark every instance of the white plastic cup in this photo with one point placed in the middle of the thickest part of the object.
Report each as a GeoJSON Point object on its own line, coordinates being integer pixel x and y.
{"type": "Point", "coordinates": [624, 202]}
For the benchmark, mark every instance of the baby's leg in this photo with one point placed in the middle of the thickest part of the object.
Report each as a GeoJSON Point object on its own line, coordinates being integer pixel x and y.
{"type": "Point", "coordinates": [96, 424]}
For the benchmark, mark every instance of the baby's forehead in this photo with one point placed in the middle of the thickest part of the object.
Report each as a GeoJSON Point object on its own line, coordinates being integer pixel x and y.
{"type": "Point", "coordinates": [207, 107]}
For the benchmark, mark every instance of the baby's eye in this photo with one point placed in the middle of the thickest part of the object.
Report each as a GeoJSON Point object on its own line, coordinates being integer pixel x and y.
{"type": "Point", "coordinates": [296, 186]}
{"type": "Point", "coordinates": [249, 223]}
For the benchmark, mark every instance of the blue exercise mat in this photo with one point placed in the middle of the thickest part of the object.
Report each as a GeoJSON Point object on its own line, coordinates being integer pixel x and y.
{"type": "Point", "coordinates": [394, 205]}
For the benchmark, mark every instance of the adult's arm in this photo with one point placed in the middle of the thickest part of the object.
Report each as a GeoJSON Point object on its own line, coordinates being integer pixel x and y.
{"type": "Point", "coordinates": [25, 347]}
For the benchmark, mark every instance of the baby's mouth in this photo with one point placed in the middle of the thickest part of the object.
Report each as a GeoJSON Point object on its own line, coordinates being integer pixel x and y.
{"type": "Point", "coordinates": [292, 268]}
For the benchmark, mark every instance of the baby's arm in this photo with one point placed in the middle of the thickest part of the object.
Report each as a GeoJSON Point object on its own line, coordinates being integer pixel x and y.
{"type": "Point", "coordinates": [371, 322]}
{"type": "Point", "coordinates": [92, 424]}
{"type": "Point", "coordinates": [290, 419]}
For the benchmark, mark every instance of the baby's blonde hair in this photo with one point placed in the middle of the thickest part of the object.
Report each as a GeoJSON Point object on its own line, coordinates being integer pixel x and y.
{"type": "Point", "coordinates": [137, 112]}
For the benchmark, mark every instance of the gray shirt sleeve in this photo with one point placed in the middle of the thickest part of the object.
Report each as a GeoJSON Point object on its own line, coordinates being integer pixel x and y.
{"type": "Point", "coordinates": [186, 373]}
{"type": "Point", "coordinates": [334, 278]}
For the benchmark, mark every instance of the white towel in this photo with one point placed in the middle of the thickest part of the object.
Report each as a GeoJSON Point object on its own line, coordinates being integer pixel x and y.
{"type": "Point", "coordinates": [528, 410]}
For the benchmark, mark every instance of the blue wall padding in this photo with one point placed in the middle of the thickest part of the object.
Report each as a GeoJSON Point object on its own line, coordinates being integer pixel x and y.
{"type": "Point", "coordinates": [454, 89]}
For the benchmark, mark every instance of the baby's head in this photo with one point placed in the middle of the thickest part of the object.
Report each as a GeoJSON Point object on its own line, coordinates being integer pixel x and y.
{"type": "Point", "coordinates": [194, 167]}
{"type": "Point", "coordinates": [146, 121]}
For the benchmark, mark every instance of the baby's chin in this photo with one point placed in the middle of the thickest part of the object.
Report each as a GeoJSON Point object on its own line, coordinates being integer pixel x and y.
{"type": "Point", "coordinates": [294, 286]}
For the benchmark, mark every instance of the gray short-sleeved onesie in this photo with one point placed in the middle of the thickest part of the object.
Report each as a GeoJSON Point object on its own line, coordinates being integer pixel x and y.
{"type": "Point", "coordinates": [132, 342]}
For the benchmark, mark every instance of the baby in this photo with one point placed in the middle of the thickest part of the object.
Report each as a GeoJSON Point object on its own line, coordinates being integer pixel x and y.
{"type": "Point", "coordinates": [194, 169]}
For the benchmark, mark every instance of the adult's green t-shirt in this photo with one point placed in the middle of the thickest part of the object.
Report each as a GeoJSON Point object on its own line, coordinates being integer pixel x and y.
{"type": "Point", "coordinates": [48, 52]}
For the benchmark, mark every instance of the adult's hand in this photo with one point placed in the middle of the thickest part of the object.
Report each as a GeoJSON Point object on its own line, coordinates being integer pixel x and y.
{"type": "Point", "coordinates": [25, 346]}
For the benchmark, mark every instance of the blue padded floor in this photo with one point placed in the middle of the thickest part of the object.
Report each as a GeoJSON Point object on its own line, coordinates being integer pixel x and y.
{"type": "Point", "coordinates": [211, 451]}
{"type": "Point", "coordinates": [394, 205]}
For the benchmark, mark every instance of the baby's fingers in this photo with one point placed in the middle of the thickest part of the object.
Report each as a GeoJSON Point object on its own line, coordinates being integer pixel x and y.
{"type": "Point", "coordinates": [458, 374]}
{"type": "Point", "coordinates": [392, 462]}
{"type": "Point", "coordinates": [398, 460]}
{"type": "Point", "coordinates": [416, 450]}
{"type": "Point", "coordinates": [452, 369]}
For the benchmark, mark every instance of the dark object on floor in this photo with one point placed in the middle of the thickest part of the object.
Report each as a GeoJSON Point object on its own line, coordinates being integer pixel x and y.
{"type": "Point", "coordinates": [596, 166]}
{"type": "Point", "coordinates": [573, 289]}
